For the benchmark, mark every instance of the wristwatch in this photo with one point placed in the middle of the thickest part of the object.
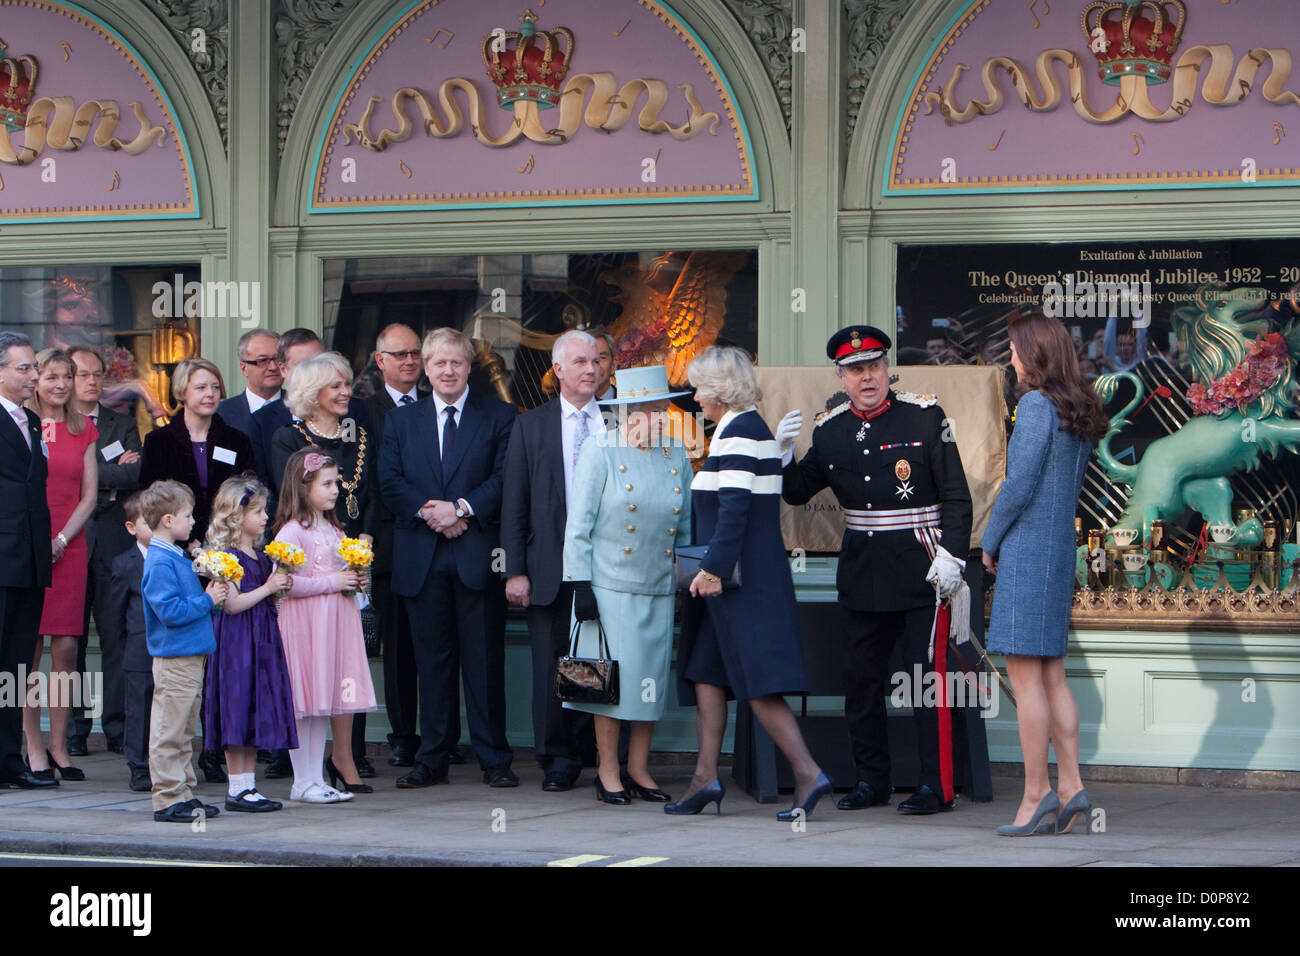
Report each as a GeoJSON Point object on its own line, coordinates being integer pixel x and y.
{"type": "Point", "coordinates": [461, 512]}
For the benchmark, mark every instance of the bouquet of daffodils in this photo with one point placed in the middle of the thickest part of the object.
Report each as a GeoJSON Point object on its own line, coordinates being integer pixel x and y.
{"type": "Point", "coordinates": [219, 566]}
{"type": "Point", "coordinates": [287, 558]}
{"type": "Point", "coordinates": [357, 554]}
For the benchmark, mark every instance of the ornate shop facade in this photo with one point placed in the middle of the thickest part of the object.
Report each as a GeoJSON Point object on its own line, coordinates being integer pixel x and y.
{"type": "Point", "coordinates": [757, 171]}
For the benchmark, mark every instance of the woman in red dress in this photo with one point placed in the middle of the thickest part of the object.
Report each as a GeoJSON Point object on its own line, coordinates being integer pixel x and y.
{"type": "Point", "coordinates": [68, 441]}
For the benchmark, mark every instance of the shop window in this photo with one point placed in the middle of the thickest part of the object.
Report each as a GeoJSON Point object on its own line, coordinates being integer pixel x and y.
{"type": "Point", "coordinates": [661, 307]}
{"type": "Point", "coordinates": [142, 320]}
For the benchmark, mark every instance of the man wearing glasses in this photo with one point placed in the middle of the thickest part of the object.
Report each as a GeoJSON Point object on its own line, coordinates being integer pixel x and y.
{"type": "Point", "coordinates": [262, 375]}
{"type": "Point", "coordinates": [118, 451]}
{"type": "Point", "coordinates": [397, 353]}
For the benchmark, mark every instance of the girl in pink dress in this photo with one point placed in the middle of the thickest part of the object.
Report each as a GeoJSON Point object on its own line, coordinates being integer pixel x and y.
{"type": "Point", "coordinates": [321, 628]}
{"type": "Point", "coordinates": [68, 441]}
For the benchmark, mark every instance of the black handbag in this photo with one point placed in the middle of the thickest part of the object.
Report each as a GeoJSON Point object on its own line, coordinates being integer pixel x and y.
{"type": "Point", "coordinates": [686, 564]}
{"type": "Point", "coordinates": [370, 630]}
{"type": "Point", "coordinates": [581, 680]}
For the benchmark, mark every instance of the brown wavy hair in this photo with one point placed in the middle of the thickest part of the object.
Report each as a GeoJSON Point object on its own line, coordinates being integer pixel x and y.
{"type": "Point", "coordinates": [294, 505]}
{"type": "Point", "coordinates": [1051, 365]}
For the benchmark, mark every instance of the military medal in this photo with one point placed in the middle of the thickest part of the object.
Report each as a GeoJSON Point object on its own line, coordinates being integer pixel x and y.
{"type": "Point", "coordinates": [902, 469]}
{"type": "Point", "coordinates": [862, 432]}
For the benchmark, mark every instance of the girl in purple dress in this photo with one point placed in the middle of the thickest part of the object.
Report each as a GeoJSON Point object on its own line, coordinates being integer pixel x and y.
{"type": "Point", "coordinates": [250, 699]}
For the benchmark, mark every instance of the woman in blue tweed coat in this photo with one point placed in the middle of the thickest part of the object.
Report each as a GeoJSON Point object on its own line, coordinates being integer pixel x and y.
{"type": "Point", "coordinates": [1029, 545]}
{"type": "Point", "coordinates": [744, 642]}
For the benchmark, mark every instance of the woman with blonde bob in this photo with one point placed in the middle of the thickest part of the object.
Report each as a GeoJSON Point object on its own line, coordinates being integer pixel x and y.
{"type": "Point", "coordinates": [740, 642]}
{"type": "Point", "coordinates": [70, 491]}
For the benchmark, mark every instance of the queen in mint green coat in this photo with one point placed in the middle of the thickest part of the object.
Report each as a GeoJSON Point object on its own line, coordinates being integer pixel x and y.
{"type": "Point", "coordinates": [629, 506]}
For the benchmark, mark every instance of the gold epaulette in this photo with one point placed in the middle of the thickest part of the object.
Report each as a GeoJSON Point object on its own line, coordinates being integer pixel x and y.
{"type": "Point", "coordinates": [826, 416]}
{"type": "Point", "coordinates": [913, 398]}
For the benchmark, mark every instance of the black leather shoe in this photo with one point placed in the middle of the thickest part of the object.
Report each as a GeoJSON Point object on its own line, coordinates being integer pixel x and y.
{"type": "Point", "coordinates": [365, 768]}
{"type": "Point", "coordinates": [250, 801]}
{"type": "Point", "coordinates": [648, 794]}
{"type": "Point", "coordinates": [140, 781]}
{"type": "Point", "coordinates": [340, 782]}
{"type": "Point", "coordinates": [422, 776]}
{"type": "Point", "coordinates": [67, 773]}
{"type": "Point", "coordinates": [862, 796]}
{"type": "Point", "coordinates": [402, 756]}
{"type": "Point", "coordinates": [556, 781]}
{"type": "Point", "coordinates": [617, 797]}
{"type": "Point", "coordinates": [500, 777]}
{"type": "Point", "coordinates": [456, 756]}
{"type": "Point", "coordinates": [210, 764]}
{"type": "Point", "coordinates": [279, 766]}
{"type": "Point", "coordinates": [114, 747]}
{"type": "Point", "coordinates": [924, 801]}
{"type": "Point", "coordinates": [30, 781]}
{"type": "Point", "coordinates": [187, 811]}
{"type": "Point", "coordinates": [77, 747]}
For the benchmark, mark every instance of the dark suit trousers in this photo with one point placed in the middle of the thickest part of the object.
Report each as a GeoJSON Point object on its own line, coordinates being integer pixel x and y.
{"type": "Point", "coordinates": [138, 705]}
{"type": "Point", "coordinates": [401, 687]}
{"type": "Point", "coordinates": [561, 737]}
{"type": "Point", "coordinates": [868, 641]}
{"type": "Point", "coordinates": [98, 579]}
{"type": "Point", "coordinates": [455, 629]}
{"type": "Point", "coordinates": [20, 616]}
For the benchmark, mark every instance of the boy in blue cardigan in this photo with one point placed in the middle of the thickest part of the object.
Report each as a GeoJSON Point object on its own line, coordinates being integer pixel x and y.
{"type": "Point", "coordinates": [178, 631]}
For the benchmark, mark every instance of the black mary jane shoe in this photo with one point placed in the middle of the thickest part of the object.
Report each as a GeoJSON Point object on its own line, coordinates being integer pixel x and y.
{"type": "Point", "coordinates": [67, 773]}
{"type": "Point", "coordinates": [339, 782]}
{"type": "Point", "coordinates": [648, 794]}
{"type": "Point", "coordinates": [259, 805]}
{"type": "Point", "coordinates": [617, 797]}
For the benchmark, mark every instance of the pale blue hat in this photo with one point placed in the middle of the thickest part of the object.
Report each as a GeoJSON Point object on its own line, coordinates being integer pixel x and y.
{"type": "Point", "coordinates": [646, 384]}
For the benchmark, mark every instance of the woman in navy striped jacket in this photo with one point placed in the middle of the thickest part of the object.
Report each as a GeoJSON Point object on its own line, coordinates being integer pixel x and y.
{"type": "Point", "coordinates": [743, 642]}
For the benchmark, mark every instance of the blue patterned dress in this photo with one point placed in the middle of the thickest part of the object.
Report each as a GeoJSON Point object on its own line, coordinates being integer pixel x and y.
{"type": "Point", "coordinates": [1031, 533]}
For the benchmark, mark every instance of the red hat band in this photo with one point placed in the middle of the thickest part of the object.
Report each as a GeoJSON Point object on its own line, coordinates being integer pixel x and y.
{"type": "Point", "coordinates": [864, 345]}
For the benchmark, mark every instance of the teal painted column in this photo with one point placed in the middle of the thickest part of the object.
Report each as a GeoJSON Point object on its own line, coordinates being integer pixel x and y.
{"type": "Point", "coordinates": [252, 178]}
{"type": "Point", "coordinates": [815, 146]}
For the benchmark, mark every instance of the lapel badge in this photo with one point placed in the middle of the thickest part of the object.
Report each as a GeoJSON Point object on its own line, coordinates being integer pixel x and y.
{"type": "Point", "coordinates": [902, 469]}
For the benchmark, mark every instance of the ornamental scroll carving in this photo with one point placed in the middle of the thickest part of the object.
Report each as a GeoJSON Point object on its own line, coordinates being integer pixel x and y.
{"type": "Point", "coordinates": [868, 24]}
{"type": "Point", "coordinates": [208, 51]}
{"type": "Point", "coordinates": [768, 24]}
{"type": "Point", "coordinates": [303, 28]}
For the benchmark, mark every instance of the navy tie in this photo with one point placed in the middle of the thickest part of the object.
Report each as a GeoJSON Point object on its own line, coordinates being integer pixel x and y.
{"type": "Point", "coordinates": [448, 443]}
{"type": "Point", "coordinates": [407, 400]}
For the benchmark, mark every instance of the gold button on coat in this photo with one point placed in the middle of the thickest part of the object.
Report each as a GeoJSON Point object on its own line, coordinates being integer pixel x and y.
{"type": "Point", "coordinates": [672, 471]}
{"type": "Point", "coordinates": [627, 550]}
{"type": "Point", "coordinates": [672, 530]}
{"type": "Point", "coordinates": [631, 507]}
{"type": "Point", "coordinates": [668, 551]}
{"type": "Point", "coordinates": [631, 527]}
{"type": "Point", "coordinates": [677, 491]}
{"type": "Point", "coordinates": [622, 467]}
{"type": "Point", "coordinates": [677, 511]}
{"type": "Point", "coordinates": [628, 487]}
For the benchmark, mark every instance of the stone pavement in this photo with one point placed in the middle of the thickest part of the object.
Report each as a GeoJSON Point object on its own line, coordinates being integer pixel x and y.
{"type": "Point", "coordinates": [467, 823]}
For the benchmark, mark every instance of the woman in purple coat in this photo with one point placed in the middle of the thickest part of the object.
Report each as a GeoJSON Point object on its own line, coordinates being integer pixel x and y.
{"type": "Point", "coordinates": [1029, 544]}
{"type": "Point", "coordinates": [744, 642]}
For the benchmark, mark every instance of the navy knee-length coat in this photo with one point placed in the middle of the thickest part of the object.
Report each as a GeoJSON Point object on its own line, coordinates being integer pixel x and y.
{"type": "Point", "coordinates": [736, 499]}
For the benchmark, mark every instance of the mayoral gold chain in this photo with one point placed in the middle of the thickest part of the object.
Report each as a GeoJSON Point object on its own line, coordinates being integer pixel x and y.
{"type": "Point", "coordinates": [349, 486]}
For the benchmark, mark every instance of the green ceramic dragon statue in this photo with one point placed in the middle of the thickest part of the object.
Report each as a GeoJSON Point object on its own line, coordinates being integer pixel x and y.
{"type": "Point", "coordinates": [1242, 403]}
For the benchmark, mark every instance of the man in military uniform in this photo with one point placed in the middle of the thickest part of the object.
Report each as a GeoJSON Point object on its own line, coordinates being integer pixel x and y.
{"type": "Point", "coordinates": [894, 467]}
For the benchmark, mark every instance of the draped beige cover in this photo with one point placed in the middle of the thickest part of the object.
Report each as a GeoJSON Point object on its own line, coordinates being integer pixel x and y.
{"type": "Point", "coordinates": [971, 397]}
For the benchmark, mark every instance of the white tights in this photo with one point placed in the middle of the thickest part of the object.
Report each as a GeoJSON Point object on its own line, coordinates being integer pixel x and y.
{"type": "Point", "coordinates": [309, 759]}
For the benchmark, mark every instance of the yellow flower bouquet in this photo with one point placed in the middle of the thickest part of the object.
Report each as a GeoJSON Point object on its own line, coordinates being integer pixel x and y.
{"type": "Point", "coordinates": [286, 557]}
{"type": "Point", "coordinates": [219, 566]}
{"type": "Point", "coordinates": [358, 555]}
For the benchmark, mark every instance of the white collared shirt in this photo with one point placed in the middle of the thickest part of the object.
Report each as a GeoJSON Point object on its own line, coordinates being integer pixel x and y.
{"type": "Point", "coordinates": [397, 397]}
{"type": "Point", "coordinates": [569, 416]}
{"type": "Point", "coordinates": [19, 415]}
{"type": "Point", "coordinates": [255, 401]}
{"type": "Point", "coordinates": [144, 552]}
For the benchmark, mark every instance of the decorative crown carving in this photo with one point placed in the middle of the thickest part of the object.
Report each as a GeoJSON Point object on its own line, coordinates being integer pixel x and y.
{"type": "Point", "coordinates": [528, 65]}
{"type": "Point", "coordinates": [1127, 42]}
{"type": "Point", "coordinates": [17, 79]}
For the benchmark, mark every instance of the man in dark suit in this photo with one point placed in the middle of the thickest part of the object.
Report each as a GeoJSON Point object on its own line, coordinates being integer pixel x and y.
{"type": "Point", "coordinates": [263, 375]}
{"type": "Point", "coordinates": [24, 541]}
{"type": "Point", "coordinates": [118, 451]}
{"type": "Point", "coordinates": [440, 472]}
{"type": "Point", "coordinates": [543, 451]}
{"type": "Point", "coordinates": [397, 353]}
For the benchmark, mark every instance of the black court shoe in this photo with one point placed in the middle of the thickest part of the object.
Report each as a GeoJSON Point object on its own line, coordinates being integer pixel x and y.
{"type": "Point", "coordinates": [339, 782]}
{"type": "Point", "coordinates": [617, 797]}
{"type": "Point", "coordinates": [67, 773]}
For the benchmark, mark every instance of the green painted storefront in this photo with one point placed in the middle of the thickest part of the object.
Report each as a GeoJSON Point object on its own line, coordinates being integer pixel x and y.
{"type": "Point", "coordinates": [821, 121]}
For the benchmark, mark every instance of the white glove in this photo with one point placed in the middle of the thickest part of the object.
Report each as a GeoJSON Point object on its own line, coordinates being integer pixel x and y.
{"type": "Point", "coordinates": [946, 571]}
{"type": "Point", "coordinates": [786, 433]}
